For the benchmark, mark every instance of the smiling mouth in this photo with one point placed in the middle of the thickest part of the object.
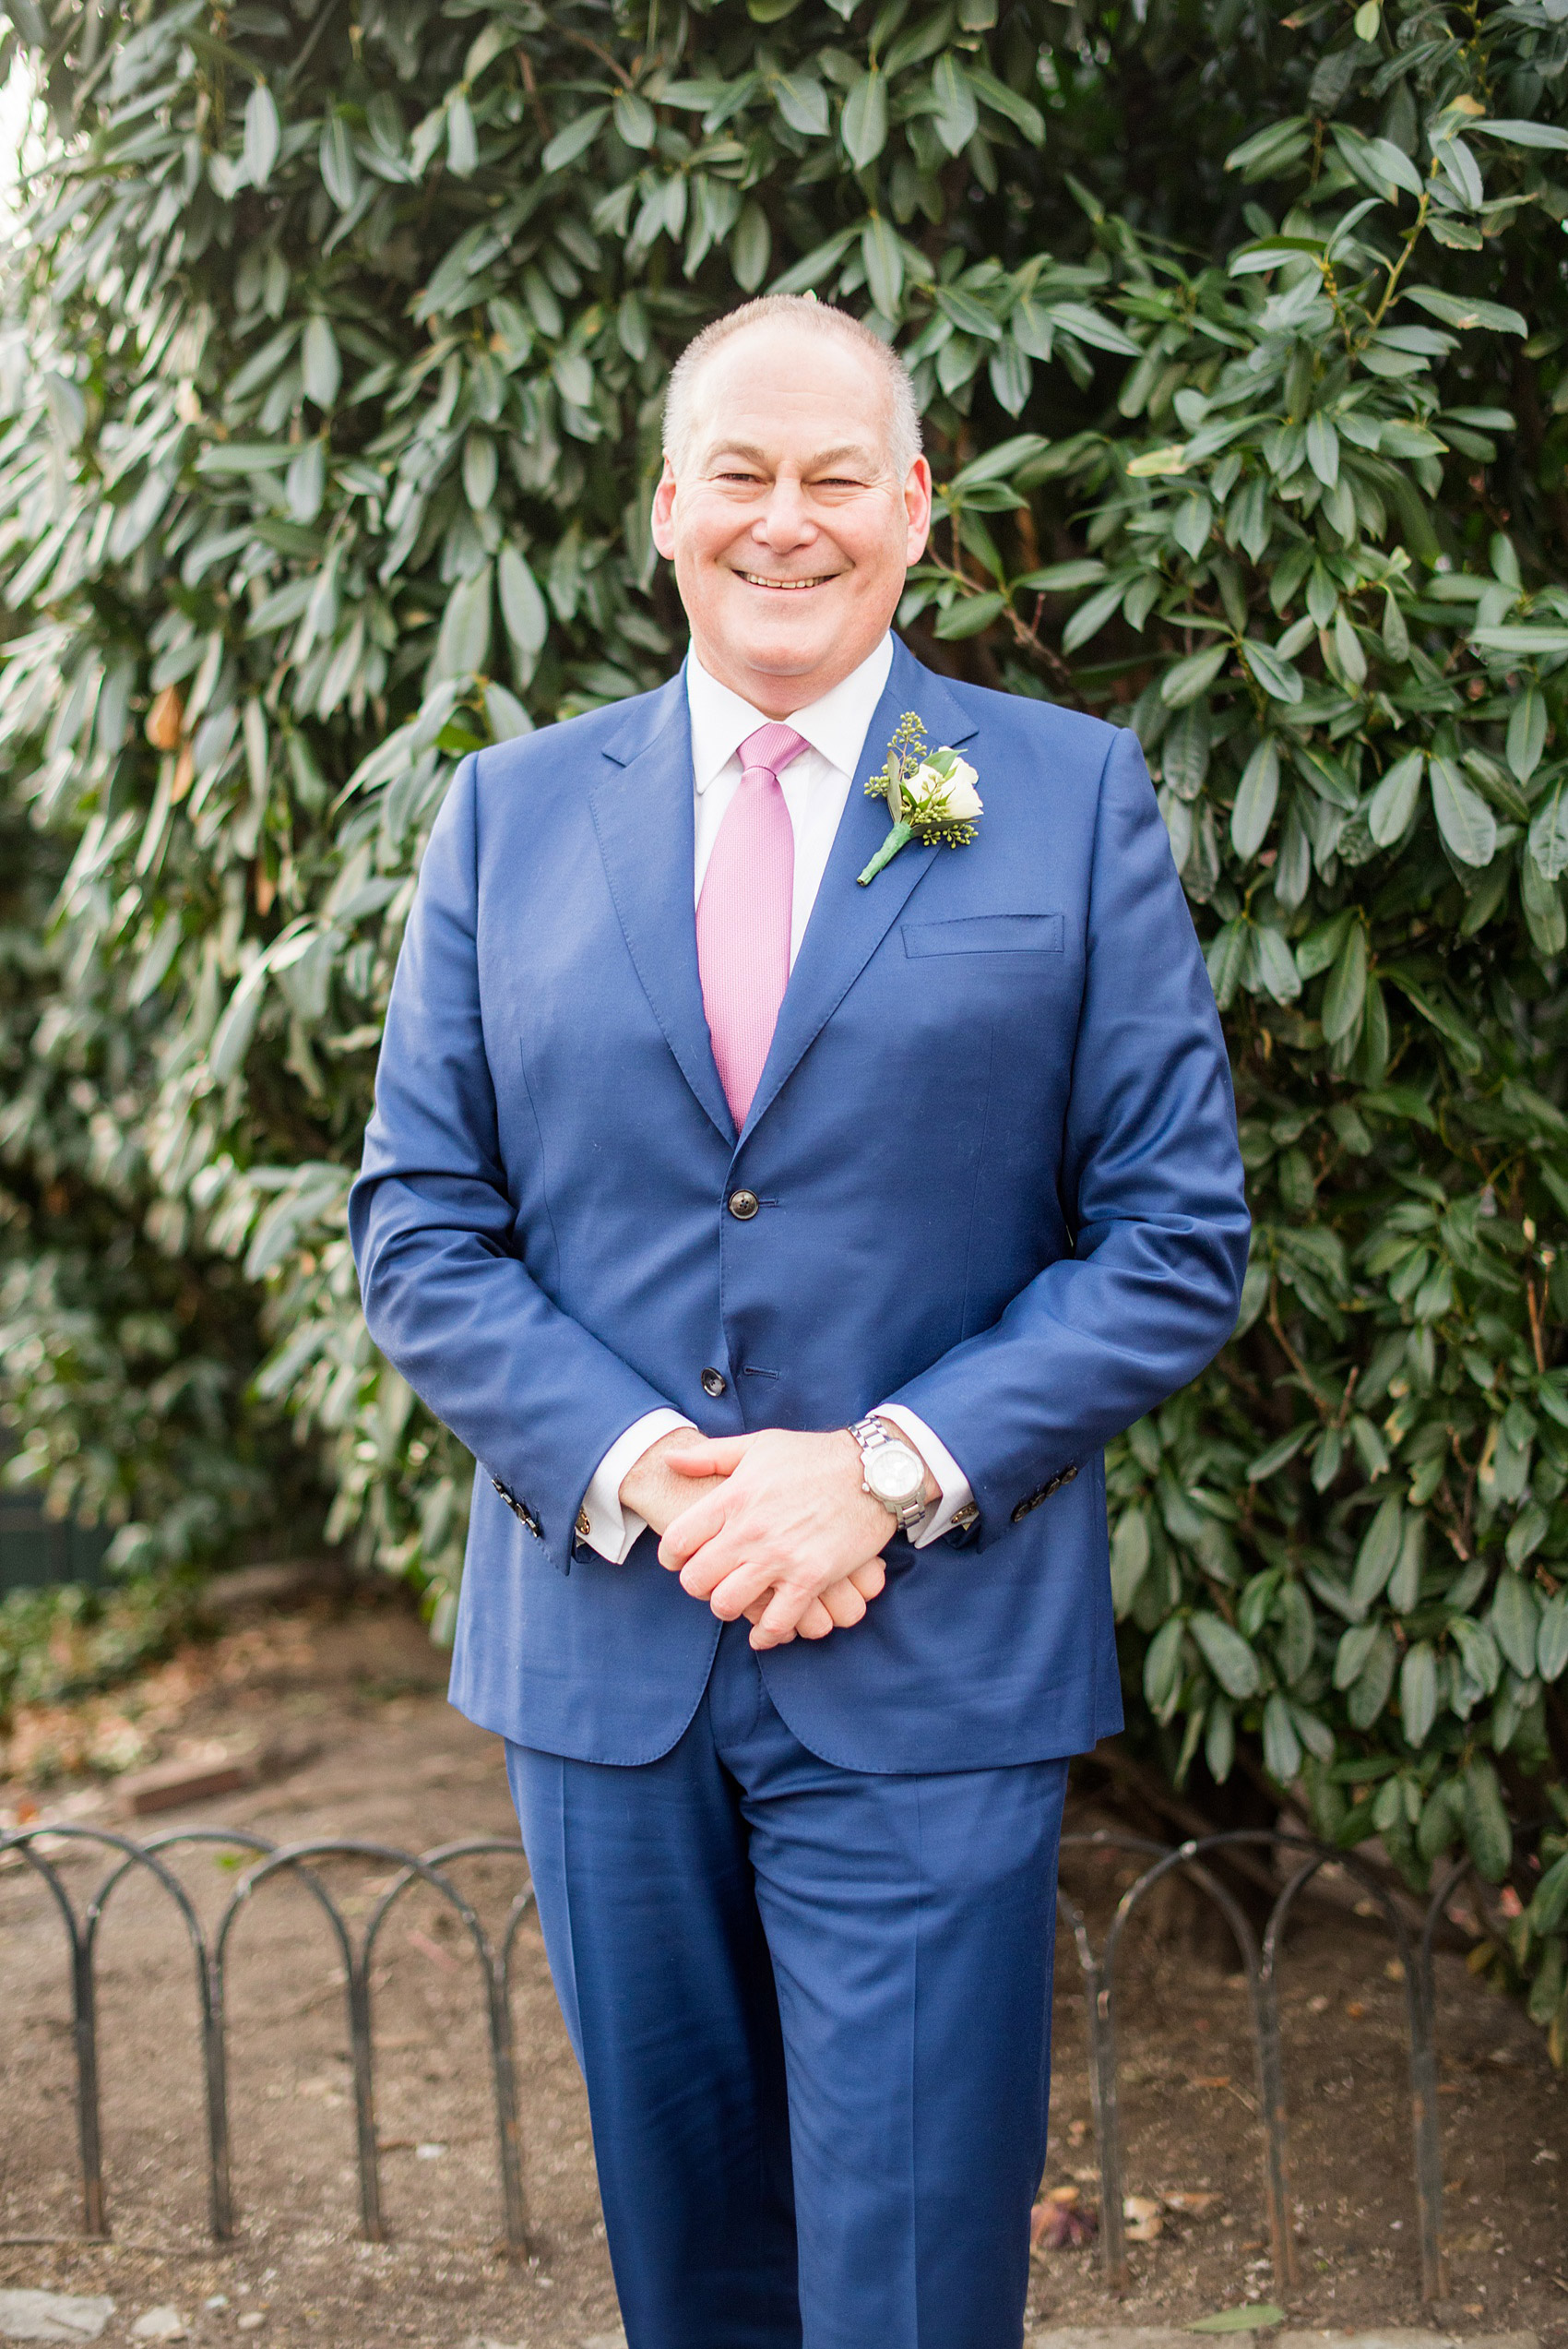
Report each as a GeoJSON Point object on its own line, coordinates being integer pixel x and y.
{"type": "Point", "coordinates": [792, 586]}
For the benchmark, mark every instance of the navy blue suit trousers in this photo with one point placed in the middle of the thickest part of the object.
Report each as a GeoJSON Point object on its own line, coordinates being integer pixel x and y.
{"type": "Point", "coordinates": [813, 2009]}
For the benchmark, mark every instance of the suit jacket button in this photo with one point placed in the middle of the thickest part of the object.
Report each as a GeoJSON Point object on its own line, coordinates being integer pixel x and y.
{"type": "Point", "coordinates": [743, 1206]}
{"type": "Point", "coordinates": [1022, 1511]}
{"type": "Point", "coordinates": [714, 1381]}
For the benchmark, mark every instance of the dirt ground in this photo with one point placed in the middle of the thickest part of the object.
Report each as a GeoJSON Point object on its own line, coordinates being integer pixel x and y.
{"type": "Point", "coordinates": [339, 1712]}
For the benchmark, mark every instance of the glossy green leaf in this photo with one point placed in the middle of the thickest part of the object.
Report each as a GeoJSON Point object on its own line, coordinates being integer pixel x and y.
{"type": "Point", "coordinates": [802, 101]}
{"type": "Point", "coordinates": [1226, 1653]}
{"type": "Point", "coordinates": [957, 116]}
{"type": "Point", "coordinates": [573, 138]}
{"type": "Point", "coordinates": [1549, 1906]}
{"type": "Point", "coordinates": [320, 367]}
{"type": "Point", "coordinates": [864, 125]}
{"type": "Point", "coordinates": [522, 607]}
{"type": "Point", "coordinates": [1464, 818]}
{"type": "Point", "coordinates": [1552, 1639]}
{"type": "Point", "coordinates": [1255, 797]}
{"type": "Point", "coordinates": [1417, 1692]}
{"type": "Point", "coordinates": [1526, 732]}
{"type": "Point", "coordinates": [1515, 1618]}
{"type": "Point", "coordinates": [882, 254]}
{"type": "Point", "coordinates": [1346, 991]}
{"type": "Point", "coordinates": [634, 119]}
{"type": "Point", "coordinates": [1486, 1832]}
{"type": "Point", "coordinates": [1187, 679]}
{"type": "Point", "coordinates": [1394, 801]}
{"type": "Point", "coordinates": [1457, 311]}
{"type": "Point", "coordinates": [969, 615]}
{"type": "Point", "coordinates": [264, 135]}
{"type": "Point", "coordinates": [339, 172]}
{"type": "Point", "coordinates": [1278, 677]}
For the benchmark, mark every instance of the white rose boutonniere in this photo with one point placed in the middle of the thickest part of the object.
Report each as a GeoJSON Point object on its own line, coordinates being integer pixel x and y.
{"type": "Point", "coordinates": [931, 796]}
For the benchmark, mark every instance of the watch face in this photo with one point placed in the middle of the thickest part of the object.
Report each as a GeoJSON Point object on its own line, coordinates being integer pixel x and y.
{"type": "Point", "coordinates": [895, 1475]}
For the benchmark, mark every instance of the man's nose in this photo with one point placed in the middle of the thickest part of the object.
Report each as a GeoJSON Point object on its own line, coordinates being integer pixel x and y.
{"type": "Point", "coordinates": [785, 521]}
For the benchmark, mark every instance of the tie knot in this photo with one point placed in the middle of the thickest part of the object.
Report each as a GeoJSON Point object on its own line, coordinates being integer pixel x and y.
{"type": "Point", "coordinates": [772, 747]}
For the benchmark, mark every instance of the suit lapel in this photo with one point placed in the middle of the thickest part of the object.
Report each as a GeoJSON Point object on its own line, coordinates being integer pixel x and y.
{"type": "Point", "coordinates": [848, 923]}
{"type": "Point", "coordinates": [642, 813]}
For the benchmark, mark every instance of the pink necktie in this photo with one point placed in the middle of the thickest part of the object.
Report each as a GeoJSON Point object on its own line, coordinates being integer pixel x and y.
{"type": "Point", "coordinates": [743, 916]}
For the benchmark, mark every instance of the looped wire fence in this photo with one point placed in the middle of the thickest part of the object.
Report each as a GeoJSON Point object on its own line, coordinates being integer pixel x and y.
{"type": "Point", "coordinates": [211, 1959]}
{"type": "Point", "coordinates": [1302, 1856]}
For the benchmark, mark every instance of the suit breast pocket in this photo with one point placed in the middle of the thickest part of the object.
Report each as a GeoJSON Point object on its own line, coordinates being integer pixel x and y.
{"type": "Point", "coordinates": [1016, 934]}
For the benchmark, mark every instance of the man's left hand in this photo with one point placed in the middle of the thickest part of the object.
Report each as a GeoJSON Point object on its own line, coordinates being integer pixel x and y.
{"type": "Point", "coordinates": [790, 1521]}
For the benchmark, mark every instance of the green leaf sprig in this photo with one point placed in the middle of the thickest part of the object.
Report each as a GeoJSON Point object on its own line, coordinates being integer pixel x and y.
{"type": "Point", "coordinates": [917, 785]}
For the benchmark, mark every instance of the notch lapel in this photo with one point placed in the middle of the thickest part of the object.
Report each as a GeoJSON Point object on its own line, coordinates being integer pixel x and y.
{"type": "Point", "coordinates": [643, 817]}
{"type": "Point", "coordinates": [848, 923]}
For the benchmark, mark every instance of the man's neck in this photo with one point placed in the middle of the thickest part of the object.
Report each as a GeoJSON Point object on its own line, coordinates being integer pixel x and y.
{"type": "Point", "coordinates": [774, 696]}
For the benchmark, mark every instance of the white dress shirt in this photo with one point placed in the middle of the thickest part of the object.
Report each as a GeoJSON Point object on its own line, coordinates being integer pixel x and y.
{"type": "Point", "coordinates": [816, 787]}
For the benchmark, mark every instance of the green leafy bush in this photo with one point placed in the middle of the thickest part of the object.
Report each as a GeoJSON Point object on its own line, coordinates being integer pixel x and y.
{"type": "Point", "coordinates": [335, 350]}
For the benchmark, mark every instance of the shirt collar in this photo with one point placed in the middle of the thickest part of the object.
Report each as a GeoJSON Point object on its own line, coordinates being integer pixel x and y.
{"type": "Point", "coordinates": [836, 726]}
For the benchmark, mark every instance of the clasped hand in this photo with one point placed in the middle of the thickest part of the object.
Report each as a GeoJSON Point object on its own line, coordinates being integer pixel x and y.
{"type": "Point", "coordinates": [783, 1532]}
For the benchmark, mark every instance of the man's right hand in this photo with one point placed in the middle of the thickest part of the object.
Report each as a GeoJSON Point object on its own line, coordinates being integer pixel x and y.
{"type": "Point", "coordinates": [652, 1489]}
{"type": "Point", "coordinates": [659, 1493]}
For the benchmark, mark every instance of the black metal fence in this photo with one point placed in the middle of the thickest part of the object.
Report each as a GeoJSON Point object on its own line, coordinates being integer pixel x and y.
{"type": "Point", "coordinates": [1299, 1858]}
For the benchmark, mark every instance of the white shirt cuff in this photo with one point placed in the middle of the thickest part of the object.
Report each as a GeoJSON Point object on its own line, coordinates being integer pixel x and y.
{"type": "Point", "coordinates": [605, 1524]}
{"type": "Point", "coordinates": [954, 1498]}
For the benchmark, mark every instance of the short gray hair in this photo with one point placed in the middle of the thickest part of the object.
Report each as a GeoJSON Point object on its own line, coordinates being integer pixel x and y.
{"type": "Point", "coordinates": [817, 317]}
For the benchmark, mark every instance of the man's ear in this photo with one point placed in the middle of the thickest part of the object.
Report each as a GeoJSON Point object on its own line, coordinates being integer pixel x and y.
{"type": "Point", "coordinates": [664, 513]}
{"type": "Point", "coordinates": [917, 506]}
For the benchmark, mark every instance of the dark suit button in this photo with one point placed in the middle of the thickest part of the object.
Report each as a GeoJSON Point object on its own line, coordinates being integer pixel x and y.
{"type": "Point", "coordinates": [714, 1381]}
{"type": "Point", "coordinates": [1022, 1511]}
{"type": "Point", "coordinates": [1068, 1474]}
{"type": "Point", "coordinates": [743, 1205]}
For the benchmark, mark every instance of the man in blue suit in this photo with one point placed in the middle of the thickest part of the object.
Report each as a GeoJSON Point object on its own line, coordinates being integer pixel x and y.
{"type": "Point", "coordinates": [786, 1245]}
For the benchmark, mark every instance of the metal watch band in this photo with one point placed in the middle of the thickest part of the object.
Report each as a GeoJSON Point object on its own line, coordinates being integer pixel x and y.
{"type": "Point", "coordinates": [871, 1434]}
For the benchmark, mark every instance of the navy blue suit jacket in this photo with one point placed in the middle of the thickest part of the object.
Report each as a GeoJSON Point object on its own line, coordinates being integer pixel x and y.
{"type": "Point", "coordinates": [994, 1147]}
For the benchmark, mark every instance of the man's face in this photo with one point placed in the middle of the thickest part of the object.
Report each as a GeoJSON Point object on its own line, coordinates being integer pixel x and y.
{"type": "Point", "coordinates": [788, 527]}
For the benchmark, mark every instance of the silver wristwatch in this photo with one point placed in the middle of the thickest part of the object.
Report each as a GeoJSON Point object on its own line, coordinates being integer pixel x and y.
{"type": "Point", "coordinates": [892, 1471]}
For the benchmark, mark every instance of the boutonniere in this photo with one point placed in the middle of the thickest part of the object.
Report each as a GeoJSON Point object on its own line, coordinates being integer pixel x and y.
{"type": "Point", "coordinates": [931, 796]}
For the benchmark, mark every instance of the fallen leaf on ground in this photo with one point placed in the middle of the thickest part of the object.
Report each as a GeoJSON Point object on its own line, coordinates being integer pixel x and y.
{"type": "Point", "coordinates": [1062, 2223]}
{"type": "Point", "coordinates": [1355, 2010]}
{"type": "Point", "coordinates": [432, 1950]}
{"type": "Point", "coordinates": [1147, 2225]}
{"type": "Point", "coordinates": [1210, 2079]}
{"type": "Point", "coordinates": [1189, 2205]}
{"type": "Point", "coordinates": [1247, 2320]}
